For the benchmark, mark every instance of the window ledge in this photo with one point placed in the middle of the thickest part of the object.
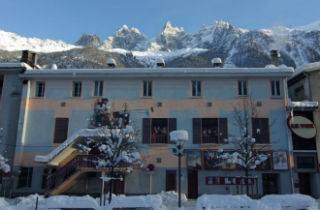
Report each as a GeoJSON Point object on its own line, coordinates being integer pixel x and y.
{"type": "Point", "coordinates": [196, 97]}
{"type": "Point", "coordinates": [276, 97]}
{"type": "Point", "coordinates": [243, 96]}
{"type": "Point", "coordinates": [146, 97]}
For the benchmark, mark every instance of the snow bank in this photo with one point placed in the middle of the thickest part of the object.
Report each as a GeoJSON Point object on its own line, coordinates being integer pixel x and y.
{"type": "Point", "coordinates": [122, 201]}
{"type": "Point", "coordinates": [166, 201]}
{"type": "Point", "coordinates": [230, 202]}
{"type": "Point", "coordinates": [290, 202]}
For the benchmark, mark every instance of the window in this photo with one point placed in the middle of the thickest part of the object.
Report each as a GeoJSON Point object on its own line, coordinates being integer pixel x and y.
{"type": "Point", "coordinates": [260, 130]}
{"type": "Point", "coordinates": [147, 88]}
{"type": "Point", "coordinates": [242, 88]}
{"type": "Point", "coordinates": [306, 162]}
{"type": "Point", "coordinates": [61, 130]}
{"type": "Point", "coordinates": [40, 88]}
{"type": "Point", "coordinates": [25, 177]}
{"type": "Point", "coordinates": [44, 178]}
{"type": "Point", "coordinates": [98, 88]}
{"type": "Point", "coordinates": [76, 89]}
{"type": "Point", "coordinates": [275, 87]}
{"type": "Point", "coordinates": [196, 88]}
{"type": "Point", "coordinates": [210, 130]}
{"type": "Point", "coordinates": [156, 130]}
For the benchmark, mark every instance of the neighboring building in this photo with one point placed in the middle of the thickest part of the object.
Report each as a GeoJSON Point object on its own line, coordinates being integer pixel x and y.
{"type": "Point", "coordinates": [304, 91]}
{"type": "Point", "coordinates": [58, 104]}
{"type": "Point", "coordinates": [10, 98]}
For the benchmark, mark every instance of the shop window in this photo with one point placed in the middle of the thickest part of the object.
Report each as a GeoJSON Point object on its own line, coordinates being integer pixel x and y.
{"type": "Point", "coordinates": [156, 130]}
{"type": "Point", "coordinates": [210, 130]}
{"type": "Point", "coordinates": [25, 177]}
{"type": "Point", "coordinates": [306, 162]}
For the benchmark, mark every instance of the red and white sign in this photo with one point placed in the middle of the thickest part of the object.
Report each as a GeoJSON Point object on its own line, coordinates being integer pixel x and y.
{"type": "Point", "coordinates": [302, 127]}
{"type": "Point", "coordinates": [222, 180]}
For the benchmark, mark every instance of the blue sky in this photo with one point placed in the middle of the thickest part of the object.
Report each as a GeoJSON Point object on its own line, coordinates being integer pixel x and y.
{"type": "Point", "coordinates": [68, 19]}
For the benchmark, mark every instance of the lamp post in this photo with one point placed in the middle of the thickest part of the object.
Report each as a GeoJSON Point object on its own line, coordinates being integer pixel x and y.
{"type": "Point", "coordinates": [179, 137]}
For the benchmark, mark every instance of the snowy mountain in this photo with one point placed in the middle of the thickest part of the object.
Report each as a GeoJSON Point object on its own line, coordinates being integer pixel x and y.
{"type": "Point", "coordinates": [131, 48]}
{"type": "Point", "coordinates": [12, 42]}
{"type": "Point", "coordinates": [89, 40]}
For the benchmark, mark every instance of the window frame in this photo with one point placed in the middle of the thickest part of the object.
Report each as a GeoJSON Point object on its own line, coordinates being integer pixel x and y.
{"type": "Point", "coordinates": [74, 95]}
{"type": "Point", "coordinates": [198, 84]}
{"type": "Point", "coordinates": [198, 137]}
{"type": "Point", "coordinates": [147, 88]}
{"type": "Point", "coordinates": [98, 86]}
{"type": "Point", "coordinates": [243, 86]}
{"type": "Point", "coordinates": [37, 83]}
{"type": "Point", "coordinates": [55, 134]}
{"type": "Point", "coordinates": [275, 88]}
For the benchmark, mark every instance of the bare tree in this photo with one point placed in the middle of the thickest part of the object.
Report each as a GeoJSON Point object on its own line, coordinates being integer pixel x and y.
{"type": "Point", "coordinates": [242, 149]}
{"type": "Point", "coordinates": [115, 148]}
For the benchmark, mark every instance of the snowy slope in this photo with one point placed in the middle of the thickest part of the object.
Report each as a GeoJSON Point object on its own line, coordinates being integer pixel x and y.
{"type": "Point", "coordinates": [12, 42]}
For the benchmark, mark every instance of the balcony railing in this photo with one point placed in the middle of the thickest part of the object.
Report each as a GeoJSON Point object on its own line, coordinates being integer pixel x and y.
{"type": "Point", "coordinates": [159, 139]}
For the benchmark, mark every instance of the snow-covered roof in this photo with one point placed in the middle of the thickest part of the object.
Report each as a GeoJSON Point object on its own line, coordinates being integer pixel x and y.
{"type": "Point", "coordinates": [14, 66]}
{"type": "Point", "coordinates": [307, 68]}
{"type": "Point", "coordinates": [67, 143]}
{"type": "Point", "coordinates": [303, 105]}
{"type": "Point", "coordinates": [163, 72]}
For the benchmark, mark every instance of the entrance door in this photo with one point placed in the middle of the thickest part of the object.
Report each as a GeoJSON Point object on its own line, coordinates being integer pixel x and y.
{"type": "Point", "coordinates": [192, 184]}
{"type": "Point", "coordinates": [171, 180]}
{"type": "Point", "coordinates": [270, 183]}
{"type": "Point", "coordinates": [304, 183]}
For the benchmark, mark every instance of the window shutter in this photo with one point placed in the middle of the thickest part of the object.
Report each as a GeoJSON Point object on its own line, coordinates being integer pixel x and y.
{"type": "Point", "coordinates": [61, 130]}
{"type": "Point", "coordinates": [172, 125]}
{"type": "Point", "coordinates": [260, 130]}
{"type": "Point", "coordinates": [146, 130]}
{"type": "Point", "coordinates": [196, 130]}
{"type": "Point", "coordinates": [223, 130]}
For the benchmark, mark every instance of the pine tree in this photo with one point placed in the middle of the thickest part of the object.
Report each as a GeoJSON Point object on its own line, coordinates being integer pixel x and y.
{"type": "Point", "coordinates": [115, 148]}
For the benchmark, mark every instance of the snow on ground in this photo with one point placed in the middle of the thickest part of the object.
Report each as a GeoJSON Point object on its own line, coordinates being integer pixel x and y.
{"type": "Point", "coordinates": [165, 201]}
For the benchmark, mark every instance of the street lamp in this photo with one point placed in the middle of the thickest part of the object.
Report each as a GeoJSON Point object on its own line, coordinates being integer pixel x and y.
{"type": "Point", "coordinates": [179, 137]}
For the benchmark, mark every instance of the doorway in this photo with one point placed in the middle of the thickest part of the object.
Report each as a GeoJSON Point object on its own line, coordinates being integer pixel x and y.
{"type": "Point", "coordinates": [304, 183]}
{"type": "Point", "coordinates": [171, 184]}
{"type": "Point", "coordinates": [270, 183]}
{"type": "Point", "coordinates": [192, 184]}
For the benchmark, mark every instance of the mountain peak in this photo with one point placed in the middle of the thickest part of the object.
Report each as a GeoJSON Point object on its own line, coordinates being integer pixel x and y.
{"type": "Point", "coordinates": [170, 30]}
{"type": "Point", "coordinates": [89, 40]}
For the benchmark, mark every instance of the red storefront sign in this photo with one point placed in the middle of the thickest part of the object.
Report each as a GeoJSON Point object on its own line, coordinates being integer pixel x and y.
{"type": "Point", "coordinates": [221, 180]}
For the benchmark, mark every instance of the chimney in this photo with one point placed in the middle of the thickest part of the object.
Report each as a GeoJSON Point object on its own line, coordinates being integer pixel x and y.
{"type": "Point", "coordinates": [29, 58]}
{"type": "Point", "coordinates": [111, 63]}
{"type": "Point", "coordinates": [160, 63]}
{"type": "Point", "coordinates": [217, 63]}
{"type": "Point", "coordinates": [275, 57]}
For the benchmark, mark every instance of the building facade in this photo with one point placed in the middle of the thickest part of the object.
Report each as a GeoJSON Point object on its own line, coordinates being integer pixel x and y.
{"type": "Point", "coordinates": [57, 106]}
{"type": "Point", "coordinates": [10, 93]}
{"type": "Point", "coordinates": [304, 92]}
